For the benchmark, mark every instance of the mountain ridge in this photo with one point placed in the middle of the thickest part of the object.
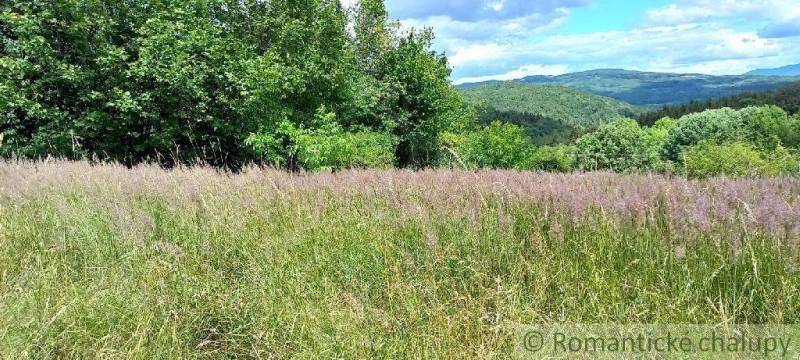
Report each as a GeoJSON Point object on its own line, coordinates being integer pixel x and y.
{"type": "Point", "coordinates": [652, 89]}
{"type": "Point", "coordinates": [550, 114]}
{"type": "Point", "coordinates": [788, 70]}
{"type": "Point", "coordinates": [552, 101]}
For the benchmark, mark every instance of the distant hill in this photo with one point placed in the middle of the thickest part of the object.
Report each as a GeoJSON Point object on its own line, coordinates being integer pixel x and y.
{"type": "Point", "coordinates": [551, 101]}
{"type": "Point", "coordinates": [655, 89]}
{"type": "Point", "coordinates": [789, 70]}
{"type": "Point", "coordinates": [787, 98]}
{"type": "Point", "coordinates": [550, 114]}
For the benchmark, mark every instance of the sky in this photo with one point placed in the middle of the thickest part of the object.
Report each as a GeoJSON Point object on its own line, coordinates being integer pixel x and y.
{"type": "Point", "coordinates": [508, 39]}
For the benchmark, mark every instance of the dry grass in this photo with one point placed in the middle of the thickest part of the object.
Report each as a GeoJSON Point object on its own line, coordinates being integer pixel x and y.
{"type": "Point", "coordinates": [107, 262]}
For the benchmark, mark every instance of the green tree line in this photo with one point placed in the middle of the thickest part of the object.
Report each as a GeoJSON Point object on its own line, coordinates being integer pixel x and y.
{"type": "Point", "coordinates": [787, 98]}
{"type": "Point", "coordinates": [753, 141]}
{"type": "Point", "coordinates": [294, 83]}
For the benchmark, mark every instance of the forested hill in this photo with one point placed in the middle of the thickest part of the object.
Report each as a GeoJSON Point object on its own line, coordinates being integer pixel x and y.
{"type": "Point", "coordinates": [656, 89]}
{"type": "Point", "coordinates": [789, 70]}
{"type": "Point", "coordinates": [550, 114]}
{"type": "Point", "coordinates": [786, 98]}
{"type": "Point", "coordinates": [555, 102]}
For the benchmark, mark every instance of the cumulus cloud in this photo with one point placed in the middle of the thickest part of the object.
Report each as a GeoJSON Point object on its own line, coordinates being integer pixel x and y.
{"type": "Point", "coordinates": [477, 10]}
{"type": "Point", "coordinates": [702, 48]}
{"type": "Point", "coordinates": [783, 16]}
{"type": "Point", "coordinates": [507, 39]}
{"type": "Point", "coordinates": [521, 72]}
{"type": "Point", "coordinates": [477, 53]}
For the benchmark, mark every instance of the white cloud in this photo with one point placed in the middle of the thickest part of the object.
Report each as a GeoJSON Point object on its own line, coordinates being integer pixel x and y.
{"type": "Point", "coordinates": [477, 10]}
{"type": "Point", "coordinates": [743, 45]}
{"type": "Point", "coordinates": [688, 11]}
{"type": "Point", "coordinates": [706, 48]}
{"type": "Point", "coordinates": [783, 15]}
{"type": "Point", "coordinates": [494, 39]}
{"type": "Point", "coordinates": [717, 67]}
{"type": "Point", "coordinates": [521, 72]}
{"type": "Point", "coordinates": [450, 31]}
{"type": "Point", "coordinates": [477, 53]}
{"type": "Point", "coordinates": [473, 32]}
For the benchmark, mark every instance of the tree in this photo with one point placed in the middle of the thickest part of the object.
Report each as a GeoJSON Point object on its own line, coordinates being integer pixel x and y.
{"type": "Point", "coordinates": [324, 146]}
{"type": "Point", "coordinates": [718, 125]}
{"type": "Point", "coordinates": [654, 139]}
{"type": "Point", "coordinates": [373, 35]}
{"type": "Point", "coordinates": [426, 103]}
{"type": "Point", "coordinates": [185, 81]}
{"type": "Point", "coordinates": [616, 146]}
{"type": "Point", "coordinates": [765, 127]}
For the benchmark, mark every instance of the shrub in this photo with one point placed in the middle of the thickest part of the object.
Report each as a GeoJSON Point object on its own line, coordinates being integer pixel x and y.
{"type": "Point", "coordinates": [324, 147]}
{"type": "Point", "coordinates": [782, 162]}
{"type": "Point", "coordinates": [346, 150]}
{"type": "Point", "coordinates": [765, 127]}
{"type": "Point", "coordinates": [654, 139]}
{"type": "Point", "coordinates": [695, 128]}
{"type": "Point", "coordinates": [735, 159]}
{"type": "Point", "coordinates": [498, 146]}
{"type": "Point", "coordinates": [552, 159]}
{"type": "Point", "coordinates": [620, 146]}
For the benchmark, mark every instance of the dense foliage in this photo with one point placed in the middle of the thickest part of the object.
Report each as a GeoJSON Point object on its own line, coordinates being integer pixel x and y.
{"type": "Point", "coordinates": [747, 142]}
{"type": "Point", "coordinates": [622, 146]}
{"type": "Point", "coordinates": [754, 141]}
{"type": "Point", "coordinates": [497, 146]}
{"type": "Point", "coordinates": [737, 159]}
{"type": "Point", "coordinates": [542, 130]}
{"type": "Point", "coordinates": [179, 81]}
{"type": "Point", "coordinates": [765, 127]}
{"type": "Point", "coordinates": [787, 98]}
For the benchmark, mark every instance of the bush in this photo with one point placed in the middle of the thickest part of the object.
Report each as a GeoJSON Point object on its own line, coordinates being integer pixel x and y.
{"type": "Point", "coordinates": [499, 146]}
{"type": "Point", "coordinates": [324, 147]}
{"type": "Point", "coordinates": [735, 159]}
{"type": "Point", "coordinates": [765, 127]}
{"type": "Point", "coordinates": [695, 128]}
{"type": "Point", "coordinates": [654, 139]}
{"type": "Point", "coordinates": [782, 162]}
{"type": "Point", "coordinates": [620, 146]}
{"type": "Point", "coordinates": [552, 159]}
{"type": "Point", "coordinates": [346, 150]}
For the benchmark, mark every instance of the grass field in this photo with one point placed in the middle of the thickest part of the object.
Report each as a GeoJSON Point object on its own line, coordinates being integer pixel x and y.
{"type": "Point", "coordinates": [106, 262]}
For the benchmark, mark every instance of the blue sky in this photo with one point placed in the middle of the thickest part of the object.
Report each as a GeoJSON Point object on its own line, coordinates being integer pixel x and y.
{"type": "Point", "coordinates": [506, 39]}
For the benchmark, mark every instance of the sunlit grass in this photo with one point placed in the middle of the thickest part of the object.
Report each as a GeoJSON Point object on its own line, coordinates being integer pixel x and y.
{"type": "Point", "coordinates": [105, 262]}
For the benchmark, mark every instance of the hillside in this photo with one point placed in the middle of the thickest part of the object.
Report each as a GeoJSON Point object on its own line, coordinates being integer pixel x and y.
{"type": "Point", "coordinates": [787, 98]}
{"type": "Point", "coordinates": [551, 101]}
{"type": "Point", "coordinates": [656, 89]}
{"type": "Point", "coordinates": [789, 70]}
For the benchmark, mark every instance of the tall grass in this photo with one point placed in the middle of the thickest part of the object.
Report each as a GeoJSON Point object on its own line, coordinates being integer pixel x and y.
{"type": "Point", "coordinates": [107, 262]}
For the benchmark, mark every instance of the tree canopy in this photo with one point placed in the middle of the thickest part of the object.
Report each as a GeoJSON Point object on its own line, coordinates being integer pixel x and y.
{"type": "Point", "coordinates": [216, 81]}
